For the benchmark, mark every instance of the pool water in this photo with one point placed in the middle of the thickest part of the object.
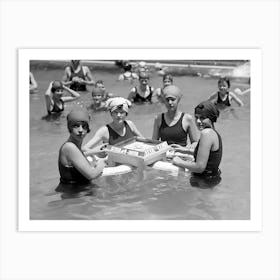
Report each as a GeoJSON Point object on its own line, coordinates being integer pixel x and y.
{"type": "Point", "coordinates": [151, 194]}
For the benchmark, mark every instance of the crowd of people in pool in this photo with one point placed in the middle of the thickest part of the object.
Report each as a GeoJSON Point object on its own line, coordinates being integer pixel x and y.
{"type": "Point", "coordinates": [182, 132]}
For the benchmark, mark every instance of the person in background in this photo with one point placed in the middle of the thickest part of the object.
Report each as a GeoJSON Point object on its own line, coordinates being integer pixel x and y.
{"type": "Point", "coordinates": [209, 150]}
{"type": "Point", "coordinates": [106, 95]}
{"type": "Point", "coordinates": [55, 99]}
{"type": "Point", "coordinates": [128, 74]}
{"type": "Point", "coordinates": [77, 76]}
{"type": "Point", "coordinates": [174, 126]}
{"type": "Point", "coordinates": [118, 130]}
{"type": "Point", "coordinates": [99, 103]}
{"type": "Point", "coordinates": [223, 96]}
{"type": "Point", "coordinates": [144, 92]}
{"type": "Point", "coordinates": [160, 69]}
{"type": "Point", "coordinates": [158, 94]}
{"type": "Point", "coordinates": [74, 168]}
{"type": "Point", "coordinates": [33, 86]}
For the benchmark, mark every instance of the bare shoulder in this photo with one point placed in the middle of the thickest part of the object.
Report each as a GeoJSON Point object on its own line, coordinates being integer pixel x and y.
{"type": "Point", "coordinates": [188, 117]}
{"type": "Point", "coordinates": [69, 147]}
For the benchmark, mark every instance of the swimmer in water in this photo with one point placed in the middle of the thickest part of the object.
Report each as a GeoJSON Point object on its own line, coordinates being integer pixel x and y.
{"type": "Point", "coordinates": [158, 94]}
{"type": "Point", "coordinates": [209, 150]}
{"type": "Point", "coordinates": [55, 99]}
{"type": "Point", "coordinates": [144, 92]}
{"type": "Point", "coordinates": [223, 96]}
{"type": "Point", "coordinates": [106, 95]}
{"type": "Point", "coordinates": [73, 166]}
{"type": "Point", "coordinates": [33, 86]}
{"type": "Point", "coordinates": [118, 130]}
{"type": "Point", "coordinates": [129, 74]}
{"type": "Point", "coordinates": [77, 76]}
{"type": "Point", "coordinates": [98, 104]}
{"type": "Point", "coordinates": [174, 126]}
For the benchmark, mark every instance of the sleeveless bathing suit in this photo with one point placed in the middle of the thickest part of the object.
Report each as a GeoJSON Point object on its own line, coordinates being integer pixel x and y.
{"type": "Point", "coordinates": [115, 138]}
{"type": "Point", "coordinates": [69, 174]}
{"type": "Point", "coordinates": [173, 134]}
{"type": "Point", "coordinates": [77, 86]}
{"type": "Point", "coordinates": [212, 167]}
{"type": "Point", "coordinates": [56, 109]}
{"type": "Point", "coordinates": [223, 102]}
{"type": "Point", "coordinates": [139, 99]}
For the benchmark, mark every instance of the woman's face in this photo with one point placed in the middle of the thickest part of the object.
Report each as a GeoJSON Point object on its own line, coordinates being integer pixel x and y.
{"type": "Point", "coordinates": [79, 130]}
{"type": "Point", "coordinates": [144, 81]}
{"type": "Point", "coordinates": [119, 115]}
{"type": "Point", "coordinates": [171, 103]}
{"type": "Point", "coordinates": [57, 94]}
{"type": "Point", "coordinates": [202, 121]}
{"type": "Point", "coordinates": [223, 86]}
{"type": "Point", "coordinates": [167, 82]}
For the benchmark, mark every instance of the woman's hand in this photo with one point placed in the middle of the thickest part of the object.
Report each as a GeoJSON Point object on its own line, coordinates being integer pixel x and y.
{"type": "Point", "coordinates": [178, 161]}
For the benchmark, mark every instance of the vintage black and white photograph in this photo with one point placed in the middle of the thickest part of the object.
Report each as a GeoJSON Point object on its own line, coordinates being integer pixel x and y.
{"type": "Point", "coordinates": [140, 139]}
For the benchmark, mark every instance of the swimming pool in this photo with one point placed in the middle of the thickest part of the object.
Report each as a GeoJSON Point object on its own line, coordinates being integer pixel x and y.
{"type": "Point", "coordinates": [154, 194]}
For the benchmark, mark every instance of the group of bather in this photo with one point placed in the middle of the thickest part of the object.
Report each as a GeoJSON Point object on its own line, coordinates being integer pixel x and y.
{"type": "Point", "coordinates": [184, 134]}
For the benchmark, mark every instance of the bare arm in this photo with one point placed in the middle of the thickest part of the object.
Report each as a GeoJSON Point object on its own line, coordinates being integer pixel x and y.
{"type": "Point", "coordinates": [205, 144]}
{"type": "Point", "coordinates": [76, 158]}
{"type": "Point", "coordinates": [157, 123]}
{"type": "Point", "coordinates": [102, 134]}
{"type": "Point", "coordinates": [134, 129]}
{"type": "Point", "coordinates": [131, 95]}
{"type": "Point", "coordinates": [33, 84]}
{"type": "Point", "coordinates": [190, 127]}
{"type": "Point", "coordinates": [66, 77]}
{"type": "Point", "coordinates": [213, 96]}
{"type": "Point", "coordinates": [75, 95]}
{"type": "Point", "coordinates": [48, 98]}
{"type": "Point", "coordinates": [236, 99]}
{"type": "Point", "coordinates": [89, 79]}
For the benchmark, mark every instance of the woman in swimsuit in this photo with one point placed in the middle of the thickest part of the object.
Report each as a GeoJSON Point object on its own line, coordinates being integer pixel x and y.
{"type": "Point", "coordinates": [209, 150]}
{"type": "Point", "coordinates": [174, 126]}
{"type": "Point", "coordinates": [118, 130]}
{"type": "Point", "coordinates": [77, 76]}
{"type": "Point", "coordinates": [73, 166]}
{"type": "Point", "coordinates": [223, 96]}
{"type": "Point", "coordinates": [55, 99]}
{"type": "Point", "coordinates": [158, 94]}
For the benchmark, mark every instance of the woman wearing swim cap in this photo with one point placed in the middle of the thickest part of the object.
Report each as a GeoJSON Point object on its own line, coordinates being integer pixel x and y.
{"type": "Point", "coordinates": [223, 96]}
{"type": "Point", "coordinates": [55, 99]}
{"type": "Point", "coordinates": [77, 76]}
{"type": "Point", "coordinates": [167, 80]}
{"type": "Point", "coordinates": [144, 92]}
{"type": "Point", "coordinates": [73, 166]}
{"type": "Point", "coordinates": [209, 150]}
{"type": "Point", "coordinates": [174, 126]}
{"type": "Point", "coordinates": [118, 130]}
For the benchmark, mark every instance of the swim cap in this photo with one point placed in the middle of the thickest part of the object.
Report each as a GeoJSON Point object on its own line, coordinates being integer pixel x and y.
{"type": "Point", "coordinates": [142, 64]}
{"type": "Point", "coordinates": [78, 115]}
{"type": "Point", "coordinates": [208, 110]}
{"type": "Point", "coordinates": [167, 77]}
{"type": "Point", "coordinates": [143, 75]}
{"type": "Point", "coordinates": [56, 85]}
{"type": "Point", "coordinates": [172, 91]}
{"type": "Point", "coordinates": [158, 66]}
{"type": "Point", "coordinates": [118, 102]}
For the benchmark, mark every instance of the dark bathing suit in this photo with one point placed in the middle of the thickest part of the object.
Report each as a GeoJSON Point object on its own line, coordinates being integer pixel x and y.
{"type": "Point", "coordinates": [75, 85]}
{"type": "Point", "coordinates": [69, 174]}
{"type": "Point", "coordinates": [115, 138]}
{"type": "Point", "coordinates": [212, 167]}
{"type": "Point", "coordinates": [173, 134]}
{"type": "Point", "coordinates": [139, 99]}
{"type": "Point", "coordinates": [56, 109]}
{"type": "Point", "coordinates": [223, 102]}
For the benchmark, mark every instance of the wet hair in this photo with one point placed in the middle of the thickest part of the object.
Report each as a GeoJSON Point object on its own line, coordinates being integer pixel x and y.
{"type": "Point", "coordinates": [224, 80]}
{"type": "Point", "coordinates": [56, 85]}
{"type": "Point", "coordinates": [208, 110]}
{"type": "Point", "coordinates": [167, 77]}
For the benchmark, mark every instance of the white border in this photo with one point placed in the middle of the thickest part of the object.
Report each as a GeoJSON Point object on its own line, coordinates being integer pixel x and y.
{"type": "Point", "coordinates": [25, 55]}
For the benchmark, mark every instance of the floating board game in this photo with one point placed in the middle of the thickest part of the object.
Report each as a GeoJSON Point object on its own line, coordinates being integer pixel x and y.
{"type": "Point", "coordinates": [137, 151]}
